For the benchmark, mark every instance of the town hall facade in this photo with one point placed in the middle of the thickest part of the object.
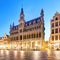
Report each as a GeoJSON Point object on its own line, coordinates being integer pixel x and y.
{"type": "Point", "coordinates": [32, 30]}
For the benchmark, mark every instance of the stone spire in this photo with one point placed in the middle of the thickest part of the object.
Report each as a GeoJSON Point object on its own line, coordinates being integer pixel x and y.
{"type": "Point", "coordinates": [22, 14]}
{"type": "Point", "coordinates": [42, 13]}
{"type": "Point", "coordinates": [42, 22]}
{"type": "Point", "coordinates": [21, 20]}
{"type": "Point", "coordinates": [42, 16]}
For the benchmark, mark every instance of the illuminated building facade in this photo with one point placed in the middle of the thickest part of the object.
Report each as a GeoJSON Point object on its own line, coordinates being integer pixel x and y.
{"type": "Point", "coordinates": [55, 31]}
{"type": "Point", "coordinates": [32, 30]}
{"type": "Point", "coordinates": [5, 42]}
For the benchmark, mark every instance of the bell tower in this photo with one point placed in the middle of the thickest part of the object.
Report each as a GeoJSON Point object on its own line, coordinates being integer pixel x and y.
{"type": "Point", "coordinates": [21, 24]}
{"type": "Point", "coordinates": [21, 21]}
{"type": "Point", "coordinates": [42, 23]}
{"type": "Point", "coordinates": [42, 16]}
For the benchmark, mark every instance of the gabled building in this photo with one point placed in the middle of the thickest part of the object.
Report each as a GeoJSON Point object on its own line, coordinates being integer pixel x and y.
{"type": "Point", "coordinates": [55, 31]}
{"type": "Point", "coordinates": [5, 42]}
{"type": "Point", "coordinates": [5, 37]}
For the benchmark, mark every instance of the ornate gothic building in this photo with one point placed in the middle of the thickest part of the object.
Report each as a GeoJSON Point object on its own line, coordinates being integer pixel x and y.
{"type": "Point", "coordinates": [30, 30]}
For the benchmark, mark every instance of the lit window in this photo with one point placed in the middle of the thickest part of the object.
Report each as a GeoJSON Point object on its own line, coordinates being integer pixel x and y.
{"type": "Point", "coordinates": [56, 24]}
{"type": "Point", "coordinates": [52, 38]}
{"type": "Point", "coordinates": [52, 31]}
{"type": "Point", "coordinates": [56, 37]}
{"type": "Point", "coordinates": [52, 25]}
{"type": "Point", "coordinates": [56, 30]}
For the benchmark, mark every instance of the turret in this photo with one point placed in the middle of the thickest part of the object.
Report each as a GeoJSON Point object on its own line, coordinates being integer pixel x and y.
{"type": "Point", "coordinates": [42, 15]}
{"type": "Point", "coordinates": [13, 24]}
{"type": "Point", "coordinates": [10, 26]}
{"type": "Point", "coordinates": [42, 22]}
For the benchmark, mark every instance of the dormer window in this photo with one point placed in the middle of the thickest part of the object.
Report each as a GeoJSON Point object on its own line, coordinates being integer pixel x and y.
{"type": "Point", "coordinates": [38, 20]}
{"type": "Point", "coordinates": [30, 23]}
{"type": "Point", "coordinates": [56, 18]}
{"type": "Point", "coordinates": [33, 22]}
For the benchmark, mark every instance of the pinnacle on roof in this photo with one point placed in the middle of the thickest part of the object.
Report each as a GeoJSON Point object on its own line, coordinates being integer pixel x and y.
{"type": "Point", "coordinates": [22, 12]}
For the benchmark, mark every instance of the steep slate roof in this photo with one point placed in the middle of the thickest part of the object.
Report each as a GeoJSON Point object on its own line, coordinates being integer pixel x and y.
{"type": "Point", "coordinates": [28, 22]}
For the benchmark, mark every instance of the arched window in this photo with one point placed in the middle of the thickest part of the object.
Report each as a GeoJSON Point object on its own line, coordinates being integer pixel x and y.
{"type": "Point", "coordinates": [21, 37]}
{"type": "Point", "coordinates": [52, 38]}
{"type": "Point", "coordinates": [39, 34]}
{"type": "Point", "coordinates": [56, 18]}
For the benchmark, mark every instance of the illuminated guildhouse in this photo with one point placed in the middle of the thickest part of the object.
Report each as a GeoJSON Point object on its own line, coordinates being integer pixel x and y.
{"type": "Point", "coordinates": [30, 34]}
{"type": "Point", "coordinates": [55, 31]}
{"type": "Point", "coordinates": [5, 42]}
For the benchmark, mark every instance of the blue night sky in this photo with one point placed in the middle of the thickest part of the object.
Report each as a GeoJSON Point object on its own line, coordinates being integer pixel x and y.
{"type": "Point", "coordinates": [10, 12]}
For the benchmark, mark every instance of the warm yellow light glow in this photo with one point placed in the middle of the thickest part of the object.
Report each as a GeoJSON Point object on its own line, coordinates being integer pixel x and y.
{"type": "Point", "coordinates": [7, 52]}
{"type": "Point", "coordinates": [32, 45]}
{"type": "Point", "coordinates": [22, 54]}
{"type": "Point", "coordinates": [35, 55]}
{"type": "Point", "coordinates": [2, 52]}
{"type": "Point", "coordinates": [15, 53]}
{"type": "Point", "coordinates": [36, 44]}
{"type": "Point", "coordinates": [48, 52]}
